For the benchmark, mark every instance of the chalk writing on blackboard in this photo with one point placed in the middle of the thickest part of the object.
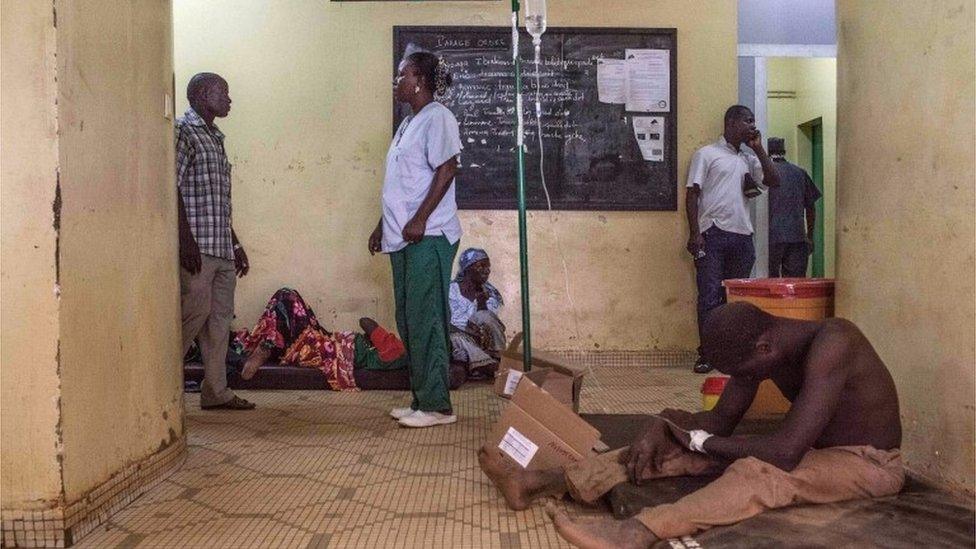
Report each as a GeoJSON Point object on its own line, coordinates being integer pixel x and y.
{"type": "Point", "coordinates": [592, 158]}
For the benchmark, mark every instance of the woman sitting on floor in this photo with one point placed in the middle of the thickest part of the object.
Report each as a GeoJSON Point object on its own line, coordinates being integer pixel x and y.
{"type": "Point", "coordinates": [289, 333]}
{"type": "Point", "coordinates": [477, 335]}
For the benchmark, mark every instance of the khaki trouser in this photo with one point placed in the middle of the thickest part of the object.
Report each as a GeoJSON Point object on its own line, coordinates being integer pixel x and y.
{"type": "Point", "coordinates": [207, 300]}
{"type": "Point", "coordinates": [748, 486]}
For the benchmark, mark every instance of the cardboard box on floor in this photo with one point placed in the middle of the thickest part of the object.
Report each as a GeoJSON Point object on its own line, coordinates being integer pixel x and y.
{"type": "Point", "coordinates": [557, 376]}
{"type": "Point", "coordinates": [537, 432]}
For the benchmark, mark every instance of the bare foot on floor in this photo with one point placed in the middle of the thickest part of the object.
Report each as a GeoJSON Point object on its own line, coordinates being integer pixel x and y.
{"type": "Point", "coordinates": [511, 481]}
{"type": "Point", "coordinates": [255, 361]}
{"type": "Point", "coordinates": [601, 533]}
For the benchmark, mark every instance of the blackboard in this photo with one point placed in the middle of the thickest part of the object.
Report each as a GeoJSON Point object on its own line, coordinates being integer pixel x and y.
{"type": "Point", "coordinates": [592, 160]}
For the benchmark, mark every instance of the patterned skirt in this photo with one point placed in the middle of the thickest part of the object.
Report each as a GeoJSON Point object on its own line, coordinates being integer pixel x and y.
{"type": "Point", "coordinates": [289, 329]}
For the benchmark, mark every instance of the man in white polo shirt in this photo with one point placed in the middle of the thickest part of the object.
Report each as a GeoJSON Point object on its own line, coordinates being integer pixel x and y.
{"type": "Point", "coordinates": [720, 231]}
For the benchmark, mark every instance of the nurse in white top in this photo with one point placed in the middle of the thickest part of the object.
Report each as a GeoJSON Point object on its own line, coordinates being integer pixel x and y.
{"type": "Point", "coordinates": [420, 230]}
{"type": "Point", "coordinates": [720, 231]}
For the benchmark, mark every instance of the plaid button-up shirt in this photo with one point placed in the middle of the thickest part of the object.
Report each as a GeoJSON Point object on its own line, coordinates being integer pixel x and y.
{"type": "Point", "coordinates": [203, 177]}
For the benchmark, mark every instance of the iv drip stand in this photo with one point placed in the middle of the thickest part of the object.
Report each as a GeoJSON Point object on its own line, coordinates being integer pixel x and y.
{"type": "Point", "coordinates": [523, 239]}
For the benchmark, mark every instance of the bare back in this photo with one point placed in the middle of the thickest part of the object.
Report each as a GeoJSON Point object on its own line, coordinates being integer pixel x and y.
{"type": "Point", "coordinates": [864, 408]}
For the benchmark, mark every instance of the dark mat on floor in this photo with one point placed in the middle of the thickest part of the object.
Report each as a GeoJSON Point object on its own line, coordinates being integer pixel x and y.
{"type": "Point", "coordinates": [920, 516]}
{"type": "Point", "coordinates": [619, 430]}
{"type": "Point", "coordinates": [275, 376]}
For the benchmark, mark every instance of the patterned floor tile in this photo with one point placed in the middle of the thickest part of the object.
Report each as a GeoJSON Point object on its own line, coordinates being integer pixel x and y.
{"type": "Point", "coordinates": [163, 516]}
{"type": "Point", "coordinates": [164, 491]}
{"type": "Point", "coordinates": [201, 456]}
{"type": "Point", "coordinates": [319, 469]}
{"type": "Point", "coordinates": [242, 532]}
{"type": "Point", "coordinates": [221, 474]}
{"type": "Point", "coordinates": [301, 460]}
{"type": "Point", "coordinates": [265, 495]}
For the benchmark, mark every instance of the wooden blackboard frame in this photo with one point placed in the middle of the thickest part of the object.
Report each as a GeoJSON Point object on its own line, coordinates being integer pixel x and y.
{"type": "Point", "coordinates": [400, 41]}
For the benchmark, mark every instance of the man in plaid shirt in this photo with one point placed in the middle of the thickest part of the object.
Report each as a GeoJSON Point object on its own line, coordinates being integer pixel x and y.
{"type": "Point", "coordinates": [210, 254]}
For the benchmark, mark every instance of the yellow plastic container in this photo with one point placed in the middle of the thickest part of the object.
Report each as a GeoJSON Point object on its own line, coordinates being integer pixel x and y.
{"type": "Point", "coordinates": [711, 390]}
{"type": "Point", "coordinates": [709, 401]}
{"type": "Point", "coordinates": [797, 298]}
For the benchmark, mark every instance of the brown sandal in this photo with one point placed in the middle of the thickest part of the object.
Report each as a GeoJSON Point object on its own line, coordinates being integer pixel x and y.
{"type": "Point", "coordinates": [236, 403]}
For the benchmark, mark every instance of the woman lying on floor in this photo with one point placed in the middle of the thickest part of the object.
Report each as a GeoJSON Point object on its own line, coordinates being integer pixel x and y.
{"type": "Point", "coordinates": [289, 333]}
{"type": "Point", "coordinates": [477, 335]}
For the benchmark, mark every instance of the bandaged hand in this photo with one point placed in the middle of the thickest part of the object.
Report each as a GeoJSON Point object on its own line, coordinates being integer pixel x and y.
{"type": "Point", "coordinates": [693, 440]}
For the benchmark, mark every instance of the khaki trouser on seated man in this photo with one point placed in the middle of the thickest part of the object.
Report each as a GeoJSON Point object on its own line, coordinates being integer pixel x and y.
{"type": "Point", "coordinates": [748, 486]}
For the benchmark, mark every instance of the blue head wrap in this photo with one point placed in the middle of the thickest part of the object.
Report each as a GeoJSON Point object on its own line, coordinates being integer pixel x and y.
{"type": "Point", "coordinates": [468, 258]}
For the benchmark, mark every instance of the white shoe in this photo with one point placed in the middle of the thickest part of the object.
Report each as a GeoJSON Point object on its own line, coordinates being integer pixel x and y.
{"type": "Point", "coordinates": [427, 419]}
{"type": "Point", "coordinates": [398, 413]}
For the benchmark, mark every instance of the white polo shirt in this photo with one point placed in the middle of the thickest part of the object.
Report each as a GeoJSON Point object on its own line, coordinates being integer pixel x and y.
{"type": "Point", "coordinates": [719, 169]}
{"type": "Point", "coordinates": [423, 142]}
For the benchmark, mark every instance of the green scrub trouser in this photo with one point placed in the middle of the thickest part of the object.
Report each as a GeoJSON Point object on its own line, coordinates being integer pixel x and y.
{"type": "Point", "coordinates": [366, 357]}
{"type": "Point", "coordinates": [421, 278]}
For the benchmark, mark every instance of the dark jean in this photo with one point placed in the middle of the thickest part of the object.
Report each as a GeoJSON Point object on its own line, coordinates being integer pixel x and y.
{"type": "Point", "coordinates": [788, 259]}
{"type": "Point", "coordinates": [727, 255]}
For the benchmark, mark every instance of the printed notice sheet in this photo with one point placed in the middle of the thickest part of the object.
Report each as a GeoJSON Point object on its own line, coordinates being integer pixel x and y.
{"type": "Point", "coordinates": [649, 131]}
{"type": "Point", "coordinates": [648, 80]}
{"type": "Point", "coordinates": [518, 447]}
{"type": "Point", "coordinates": [611, 80]}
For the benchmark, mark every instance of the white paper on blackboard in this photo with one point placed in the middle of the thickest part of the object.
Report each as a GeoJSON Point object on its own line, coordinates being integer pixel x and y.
{"type": "Point", "coordinates": [611, 80]}
{"type": "Point", "coordinates": [648, 80]}
{"type": "Point", "coordinates": [649, 131]}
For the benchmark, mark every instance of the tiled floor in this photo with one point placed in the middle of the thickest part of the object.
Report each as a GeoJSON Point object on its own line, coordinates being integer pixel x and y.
{"type": "Point", "coordinates": [316, 469]}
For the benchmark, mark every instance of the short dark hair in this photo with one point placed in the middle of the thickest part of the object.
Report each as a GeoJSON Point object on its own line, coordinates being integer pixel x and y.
{"type": "Point", "coordinates": [735, 112]}
{"type": "Point", "coordinates": [433, 69]}
{"type": "Point", "coordinates": [776, 145]}
{"type": "Point", "coordinates": [730, 332]}
{"type": "Point", "coordinates": [199, 84]}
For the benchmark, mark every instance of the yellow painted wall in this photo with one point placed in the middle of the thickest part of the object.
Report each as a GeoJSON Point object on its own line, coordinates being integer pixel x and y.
{"type": "Point", "coordinates": [814, 80]}
{"type": "Point", "coordinates": [905, 213]}
{"type": "Point", "coordinates": [120, 334]}
{"type": "Point", "coordinates": [781, 112]}
{"type": "Point", "coordinates": [91, 379]}
{"type": "Point", "coordinates": [29, 382]}
{"type": "Point", "coordinates": [308, 134]}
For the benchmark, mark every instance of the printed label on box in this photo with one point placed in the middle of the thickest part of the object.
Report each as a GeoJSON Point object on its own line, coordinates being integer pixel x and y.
{"type": "Point", "coordinates": [518, 447]}
{"type": "Point", "coordinates": [512, 382]}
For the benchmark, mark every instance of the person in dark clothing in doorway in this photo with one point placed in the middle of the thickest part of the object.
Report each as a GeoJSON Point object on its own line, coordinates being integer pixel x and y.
{"type": "Point", "coordinates": [790, 238]}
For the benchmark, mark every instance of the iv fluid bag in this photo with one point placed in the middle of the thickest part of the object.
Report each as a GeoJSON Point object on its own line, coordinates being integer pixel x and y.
{"type": "Point", "coordinates": [535, 17]}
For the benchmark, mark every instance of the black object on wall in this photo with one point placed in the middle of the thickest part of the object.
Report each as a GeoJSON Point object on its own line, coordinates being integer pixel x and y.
{"type": "Point", "coordinates": [592, 159]}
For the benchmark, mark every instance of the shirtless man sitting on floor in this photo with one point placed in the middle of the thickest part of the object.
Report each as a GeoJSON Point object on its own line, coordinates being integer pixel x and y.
{"type": "Point", "coordinates": [839, 441]}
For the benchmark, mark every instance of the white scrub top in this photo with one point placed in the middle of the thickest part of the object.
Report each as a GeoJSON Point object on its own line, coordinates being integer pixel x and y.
{"type": "Point", "coordinates": [423, 142]}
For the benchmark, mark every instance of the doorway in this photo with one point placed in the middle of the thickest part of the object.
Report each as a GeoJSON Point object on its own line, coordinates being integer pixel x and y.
{"type": "Point", "coordinates": [795, 97]}
{"type": "Point", "coordinates": [812, 136]}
